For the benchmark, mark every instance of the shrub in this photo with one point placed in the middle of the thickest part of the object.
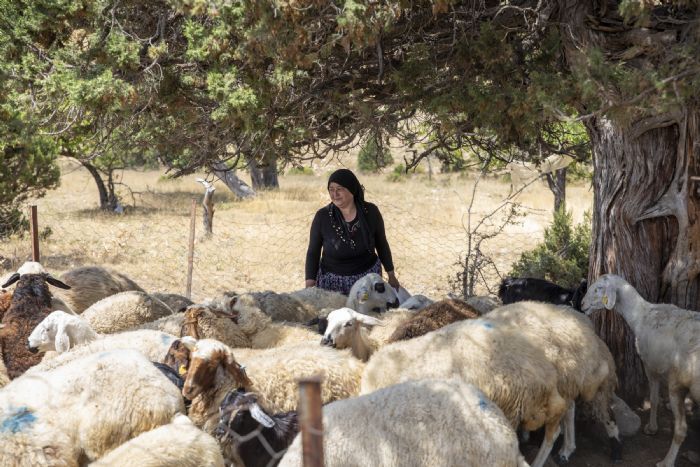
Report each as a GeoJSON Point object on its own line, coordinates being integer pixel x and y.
{"type": "Point", "coordinates": [373, 157]}
{"type": "Point", "coordinates": [300, 170]}
{"type": "Point", "coordinates": [398, 174]}
{"type": "Point", "coordinates": [562, 257]}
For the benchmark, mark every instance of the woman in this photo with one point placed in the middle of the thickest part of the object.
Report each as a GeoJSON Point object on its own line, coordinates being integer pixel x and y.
{"type": "Point", "coordinates": [350, 232]}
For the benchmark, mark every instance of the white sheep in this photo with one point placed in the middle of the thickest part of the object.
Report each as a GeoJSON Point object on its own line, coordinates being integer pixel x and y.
{"type": "Point", "coordinates": [417, 423]}
{"type": "Point", "coordinates": [90, 284]}
{"type": "Point", "coordinates": [123, 311]}
{"type": "Point", "coordinates": [483, 303]}
{"type": "Point", "coordinates": [264, 333]}
{"type": "Point", "coordinates": [585, 366]}
{"type": "Point", "coordinates": [347, 329]}
{"type": "Point", "coordinates": [82, 410]}
{"type": "Point", "coordinates": [59, 332]}
{"type": "Point", "coordinates": [667, 342]}
{"type": "Point", "coordinates": [271, 373]}
{"type": "Point", "coordinates": [371, 294]}
{"type": "Point", "coordinates": [415, 302]}
{"type": "Point", "coordinates": [177, 443]}
{"type": "Point", "coordinates": [512, 372]}
{"type": "Point", "coordinates": [152, 344]}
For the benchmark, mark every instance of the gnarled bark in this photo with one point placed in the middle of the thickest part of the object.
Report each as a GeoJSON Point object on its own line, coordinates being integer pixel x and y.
{"type": "Point", "coordinates": [263, 172]}
{"type": "Point", "coordinates": [645, 224]}
{"type": "Point", "coordinates": [231, 180]}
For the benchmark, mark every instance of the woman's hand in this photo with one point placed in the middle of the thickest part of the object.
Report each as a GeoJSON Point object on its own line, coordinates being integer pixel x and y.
{"type": "Point", "coordinates": [393, 281]}
{"type": "Point", "coordinates": [310, 283]}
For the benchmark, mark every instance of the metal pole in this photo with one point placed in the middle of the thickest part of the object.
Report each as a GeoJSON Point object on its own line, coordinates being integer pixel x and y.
{"type": "Point", "coordinates": [190, 256]}
{"type": "Point", "coordinates": [34, 232]}
{"type": "Point", "coordinates": [310, 418]}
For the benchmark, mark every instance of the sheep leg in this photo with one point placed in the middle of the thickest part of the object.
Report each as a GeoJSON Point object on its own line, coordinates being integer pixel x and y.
{"type": "Point", "coordinates": [613, 435]}
{"type": "Point", "coordinates": [551, 432]}
{"type": "Point", "coordinates": [651, 428]}
{"type": "Point", "coordinates": [569, 445]}
{"type": "Point", "coordinates": [676, 395]}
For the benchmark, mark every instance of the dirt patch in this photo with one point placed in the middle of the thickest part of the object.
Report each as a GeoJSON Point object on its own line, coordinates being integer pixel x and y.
{"type": "Point", "coordinates": [640, 450]}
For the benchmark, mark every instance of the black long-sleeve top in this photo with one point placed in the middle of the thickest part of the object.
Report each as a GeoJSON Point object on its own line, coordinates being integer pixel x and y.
{"type": "Point", "coordinates": [338, 256]}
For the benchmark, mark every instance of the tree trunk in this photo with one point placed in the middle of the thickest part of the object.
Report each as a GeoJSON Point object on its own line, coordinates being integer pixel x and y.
{"type": "Point", "coordinates": [231, 180]}
{"type": "Point", "coordinates": [645, 219]}
{"type": "Point", "coordinates": [108, 198]}
{"type": "Point", "coordinates": [557, 185]}
{"type": "Point", "coordinates": [263, 173]}
{"type": "Point", "coordinates": [645, 224]}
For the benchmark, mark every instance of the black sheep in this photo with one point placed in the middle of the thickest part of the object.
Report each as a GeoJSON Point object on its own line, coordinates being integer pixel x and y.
{"type": "Point", "coordinates": [529, 288]}
{"type": "Point", "coordinates": [247, 433]}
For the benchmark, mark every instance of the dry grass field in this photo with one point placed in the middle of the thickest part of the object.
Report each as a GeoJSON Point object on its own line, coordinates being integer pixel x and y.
{"type": "Point", "coordinates": [261, 243]}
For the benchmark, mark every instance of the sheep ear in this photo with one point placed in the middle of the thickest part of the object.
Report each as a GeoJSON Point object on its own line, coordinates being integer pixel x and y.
{"type": "Point", "coordinates": [237, 371]}
{"type": "Point", "coordinates": [13, 278]}
{"type": "Point", "coordinates": [260, 416]}
{"type": "Point", "coordinates": [62, 341]}
{"type": "Point", "coordinates": [56, 283]}
{"type": "Point", "coordinates": [367, 320]}
{"type": "Point", "coordinates": [609, 296]}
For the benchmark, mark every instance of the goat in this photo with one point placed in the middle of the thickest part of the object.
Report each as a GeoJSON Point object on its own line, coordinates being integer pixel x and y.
{"type": "Point", "coordinates": [514, 290]}
{"type": "Point", "coordinates": [247, 434]}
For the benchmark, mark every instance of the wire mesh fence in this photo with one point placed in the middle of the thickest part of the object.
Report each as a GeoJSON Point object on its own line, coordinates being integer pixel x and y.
{"type": "Point", "coordinates": [260, 252]}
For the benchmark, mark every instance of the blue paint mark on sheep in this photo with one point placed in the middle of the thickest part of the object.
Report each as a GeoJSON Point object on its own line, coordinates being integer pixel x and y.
{"type": "Point", "coordinates": [18, 421]}
{"type": "Point", "coordinates": [166, 338]}
{"type": "Point", "coordinates": [483, 404]}
{"type": "Point", "coordinates": [488, 325]}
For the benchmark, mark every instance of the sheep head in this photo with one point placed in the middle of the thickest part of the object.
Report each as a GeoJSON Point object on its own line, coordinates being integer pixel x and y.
{"type": "Point", "coordinates": [371, 293]}
{"type": "Point", "coordinates": [34, 268]}
{"type": "Point", "coordinates": [342, 325]}
{"type": "Point", "coordinates": [232, 414]}
{"type": "Point", "coordinates": [602, 294]}
{"type": "Point", "coordinates": [178, 355]}
{"type": "Point", "coordinates": [207, 358]}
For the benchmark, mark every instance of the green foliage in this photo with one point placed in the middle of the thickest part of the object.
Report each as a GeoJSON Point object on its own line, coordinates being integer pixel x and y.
{"type": "Point", "coordinates": [398, 174]}
{"type": "Point", "coordinates": [300, 170]}
{"type": "Point", "coordinates": [373, 157]}
{"type": "Point", "coordinates": [563, 255]}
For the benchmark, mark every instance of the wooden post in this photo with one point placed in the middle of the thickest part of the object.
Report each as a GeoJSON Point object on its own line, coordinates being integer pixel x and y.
{"type": "Point", "coordinates": [34, 232]}
{"type": "Point", "coordinates": [310, 418]}
{"type": "Point", "coordinates": [190, 255]}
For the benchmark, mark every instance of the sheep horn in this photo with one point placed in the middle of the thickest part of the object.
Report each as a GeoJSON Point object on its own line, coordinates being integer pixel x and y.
{"type": "Point", "coordinates": [13, 278]}
{"type": "Point", "coordinates": [260, 416]}
{"type": "Point", "coordinates": [57, 283]}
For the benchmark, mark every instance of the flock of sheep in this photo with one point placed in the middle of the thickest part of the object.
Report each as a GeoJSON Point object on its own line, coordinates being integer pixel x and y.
{"type": "Point", "coordinates": [156, 380]}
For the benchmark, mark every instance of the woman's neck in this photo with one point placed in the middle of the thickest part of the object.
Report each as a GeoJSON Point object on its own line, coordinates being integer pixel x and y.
{"type": "Point", "coordinates": [349, 212]}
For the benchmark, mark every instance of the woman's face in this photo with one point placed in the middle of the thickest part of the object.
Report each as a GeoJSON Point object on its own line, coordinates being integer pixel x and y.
{"type": "Point", "coordinates": [340, 196]}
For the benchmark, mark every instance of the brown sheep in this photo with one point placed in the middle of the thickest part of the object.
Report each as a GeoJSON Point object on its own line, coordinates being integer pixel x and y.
{"type": "Point", "coordinates": [432, 317]}
{"type": "Point", "coordinates": [31, 303]}
{"type": "Point", "coordinates": [5, 301]}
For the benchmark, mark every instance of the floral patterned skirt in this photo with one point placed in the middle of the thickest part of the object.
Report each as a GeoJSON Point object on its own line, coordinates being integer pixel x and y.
{"type": "Point", "coordinates": [343, 284]}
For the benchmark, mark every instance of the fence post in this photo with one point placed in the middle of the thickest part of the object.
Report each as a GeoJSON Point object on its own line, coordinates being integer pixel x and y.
{"type": "Point", "coordinates": [310, 417]}
{"type": "Point", "coordinates": [190, 255]}
{"type": "Point", "coordinates": [34, 232]}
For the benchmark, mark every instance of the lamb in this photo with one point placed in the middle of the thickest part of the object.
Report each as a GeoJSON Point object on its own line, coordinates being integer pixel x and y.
{"type": "Point", "coordinates": [104, 400]}
{"type": "Point", "coordinates": [433, 317]}
{"type": "Point", "coordinates": [371, 294]}
{"type": "Point", "coordinates": [214, 371]}
{"type": "Point", "coordinates": [507, 367]}
{"type": "Point", "coordinates": [585, 366]}
{"type": "Point", "coordinates": [346, 328]}
{"type": "Point", "coordinates": [124, 310]}
{"type": "Point", "coordinates": [31, 301]}
{"type": "Point", "coordinates": [90, 284]}
{"type": "Point", "coordinates": [249, 436]}
{"type": "Point", "coordinates": [514, 290]}
{"type": "Point", "coordinates": [264, 333]}
{"type": "Point", "coordinates": [177, 443]}
{"type": "Point", "coordinates": [458, 424]}
{"type": "Point", "coordinates": [667, 342]}
{"type": "Point", "coordinates": [60, 331]}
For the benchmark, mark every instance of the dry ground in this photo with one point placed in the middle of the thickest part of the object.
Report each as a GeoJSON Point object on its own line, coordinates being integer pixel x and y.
{"type": "Point", "coordinates": [261, 244]}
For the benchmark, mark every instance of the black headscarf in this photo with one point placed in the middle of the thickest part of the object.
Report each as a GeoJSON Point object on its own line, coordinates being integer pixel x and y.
{"type": "Point", "coordinates": [348, 180]}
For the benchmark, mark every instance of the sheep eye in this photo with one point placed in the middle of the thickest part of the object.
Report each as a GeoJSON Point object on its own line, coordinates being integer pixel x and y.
{"type": "Point", "coordinates": [348, 324]}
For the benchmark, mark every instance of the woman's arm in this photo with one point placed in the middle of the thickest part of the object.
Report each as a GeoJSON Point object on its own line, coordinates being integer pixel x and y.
{"type": "Point", "coordinates": [313, 253]}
